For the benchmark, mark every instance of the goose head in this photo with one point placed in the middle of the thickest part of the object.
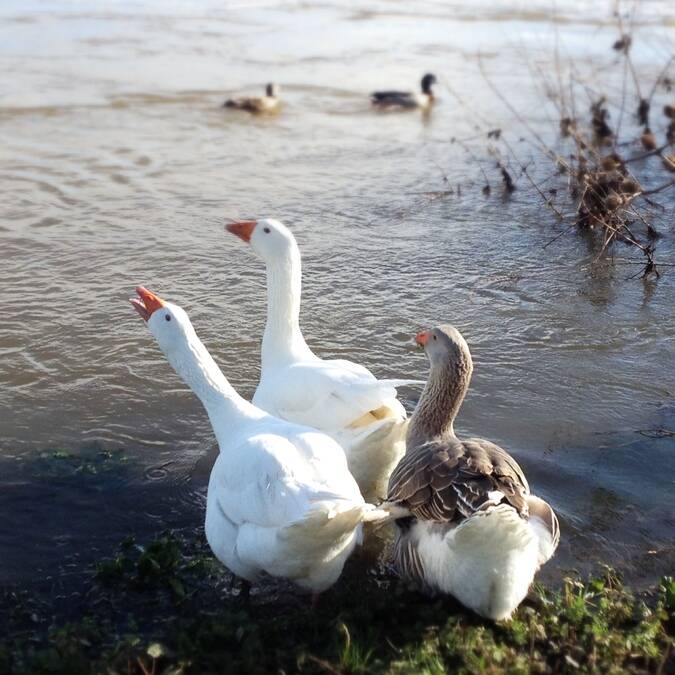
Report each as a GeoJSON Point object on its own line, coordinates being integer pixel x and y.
{"type": "Point", "coordinates": [427, 82]}
{"type": "Point", "coordinates": [168, 323]}
{"type": "Point", "coordinates": [187, 355]}
{"type": "Point", "coordinates": [269, 238]}
{"type": "Point", "coordinates": [445, 346]}
{"type": "Point", "coordinates": [272, 90]}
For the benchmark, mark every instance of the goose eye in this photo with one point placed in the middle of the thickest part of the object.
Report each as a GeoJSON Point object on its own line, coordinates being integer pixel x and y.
{"type": "Point", "coordinates": [167, 317]}
{"type": "Point", "coordinates": [434, 337]}
{"type": "Point", "coordinates": [266, 230]}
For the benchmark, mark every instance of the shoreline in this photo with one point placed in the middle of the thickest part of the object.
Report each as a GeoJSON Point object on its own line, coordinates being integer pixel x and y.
{"type": "Point", "coordinates": [86, 499]}
{"type": "Point", "coordinates": [167, 606]}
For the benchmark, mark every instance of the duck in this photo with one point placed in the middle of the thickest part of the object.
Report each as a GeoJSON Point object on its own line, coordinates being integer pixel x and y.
{"type": "Point", "coordinates": [475, 530]}
{"type": "Point", "coordinates": [269, 103]}
{"type": "Point", "coordinates": [339, 397]}
{"type": "Point", "coordinates": [407, 99]}
{"type": "Point", "coordinates": [281, 499]}
{"type": "Point", "coordinates": [648, 139]}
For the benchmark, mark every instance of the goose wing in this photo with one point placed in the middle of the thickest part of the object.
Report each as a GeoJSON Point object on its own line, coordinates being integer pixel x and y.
{"type": "Point", "coordinates": [446, 481]}
{"type": "Point", "coordinates": [282, 500]}
{"type": "Point", "coordinates": [277, 475]}
{"type": "Point", "coordinates": [326, 395]}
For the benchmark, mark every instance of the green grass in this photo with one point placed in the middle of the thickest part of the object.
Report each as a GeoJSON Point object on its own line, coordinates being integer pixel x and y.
{"type": "Point", "coordinates": [166, 608]}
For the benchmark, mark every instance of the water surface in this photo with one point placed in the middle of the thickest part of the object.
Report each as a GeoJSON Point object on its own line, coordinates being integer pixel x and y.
{"type": "Point", "coordinates": [119, 167]}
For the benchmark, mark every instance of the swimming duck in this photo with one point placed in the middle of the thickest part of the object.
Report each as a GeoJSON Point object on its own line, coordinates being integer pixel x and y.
{"type": "Point", "coordinates": [476, 532]}
{"type": "Point", "coordinates": [648, 139]}
{"type": "Point", "coordinates": [338, 397]}
{"type": "Point", "coordinates": [406, 99]}
{"type": "Point", "coordinates": [280, 499]}
{"type": "Point", "coordinates": [268, 103]}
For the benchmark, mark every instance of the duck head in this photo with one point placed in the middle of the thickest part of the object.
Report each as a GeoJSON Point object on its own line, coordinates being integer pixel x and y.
{"type": "Point", "coordinates": [427, 82]}
{"type": "Point", "coordinates": [268, 237]}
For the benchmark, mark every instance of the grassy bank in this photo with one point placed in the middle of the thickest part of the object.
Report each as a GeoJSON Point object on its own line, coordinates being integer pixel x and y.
{"type": "Point", "coordinates": [167, 607]}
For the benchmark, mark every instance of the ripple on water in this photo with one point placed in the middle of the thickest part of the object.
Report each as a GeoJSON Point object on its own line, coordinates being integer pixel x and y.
{"type": "Point", "coordinates": [123, 172]}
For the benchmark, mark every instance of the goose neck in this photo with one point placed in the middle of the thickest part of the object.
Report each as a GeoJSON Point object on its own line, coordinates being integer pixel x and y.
{"type": "Point", "coordinates": [435, 415]}
{"type": "Point", "coordinates": [225, 407]}
{"type": "Point", "coordinates": [283, 340]}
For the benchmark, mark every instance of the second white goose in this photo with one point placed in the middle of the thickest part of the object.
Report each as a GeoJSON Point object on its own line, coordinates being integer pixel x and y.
{"type": "Point", "coordinates": [339, 397]}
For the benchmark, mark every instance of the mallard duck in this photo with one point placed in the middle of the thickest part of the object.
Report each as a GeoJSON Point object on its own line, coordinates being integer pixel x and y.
{"type": "Point", "coordinates": [268, 103]}
{"type": "Point", "coordinates": [406, 99]}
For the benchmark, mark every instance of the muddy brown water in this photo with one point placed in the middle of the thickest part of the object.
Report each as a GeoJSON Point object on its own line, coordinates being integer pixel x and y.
{"type": "Point", "coordinates": [119, 167]}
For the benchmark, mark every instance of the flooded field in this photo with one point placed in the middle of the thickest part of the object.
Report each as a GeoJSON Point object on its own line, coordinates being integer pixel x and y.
{"type": "Point", "coordinates": [119, 167]}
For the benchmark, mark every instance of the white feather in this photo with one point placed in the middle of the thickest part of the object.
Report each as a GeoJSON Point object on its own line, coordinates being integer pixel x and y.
{"type": "Point", "coordinates": [488, 562]}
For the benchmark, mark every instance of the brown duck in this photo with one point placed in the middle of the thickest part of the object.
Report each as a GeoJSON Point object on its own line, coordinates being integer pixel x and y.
{"type": "Point", "coordinates": [269, 103]}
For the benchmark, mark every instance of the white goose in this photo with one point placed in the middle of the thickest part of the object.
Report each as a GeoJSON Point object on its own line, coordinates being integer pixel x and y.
{"type": "Point", "coordinates": [281, 499]}
{"type": "Point", "coordinates": [339, 397]}
{"type": "Point", "coordinates": [475, 531]}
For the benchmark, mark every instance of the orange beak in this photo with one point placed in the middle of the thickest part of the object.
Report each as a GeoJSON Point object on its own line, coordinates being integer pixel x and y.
{"type": "Point", "coordinates": [243, 229]}
{"type": "Point", "coordinates": [146, 303]}
{"type": "Point", "coordinates": [422, 338]}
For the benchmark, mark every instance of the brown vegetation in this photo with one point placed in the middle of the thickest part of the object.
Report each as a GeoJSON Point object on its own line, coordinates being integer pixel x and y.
{"type": "Point", "coordinates": [595, 185]}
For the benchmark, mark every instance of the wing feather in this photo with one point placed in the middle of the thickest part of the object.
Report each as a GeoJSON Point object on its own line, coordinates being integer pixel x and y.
{"type": "Point", "coordinates": [326, 395]}
{"type": "Point", "coordinates": [275, 478]}
{"type": "Point", "coordinates": [449, 480]}
{"type": "Point", "coordinates": [408, 560]}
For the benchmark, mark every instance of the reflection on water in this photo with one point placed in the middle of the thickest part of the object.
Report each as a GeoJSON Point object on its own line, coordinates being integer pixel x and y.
{"type": "Point", "coordinates": [119, 168]}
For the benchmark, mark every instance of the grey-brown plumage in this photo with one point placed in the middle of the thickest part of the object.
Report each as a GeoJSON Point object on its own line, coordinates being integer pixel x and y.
{"type": "Point", "coordinates": [449, 480]}
{"type": "Point", "coordinates": [444, 481]}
